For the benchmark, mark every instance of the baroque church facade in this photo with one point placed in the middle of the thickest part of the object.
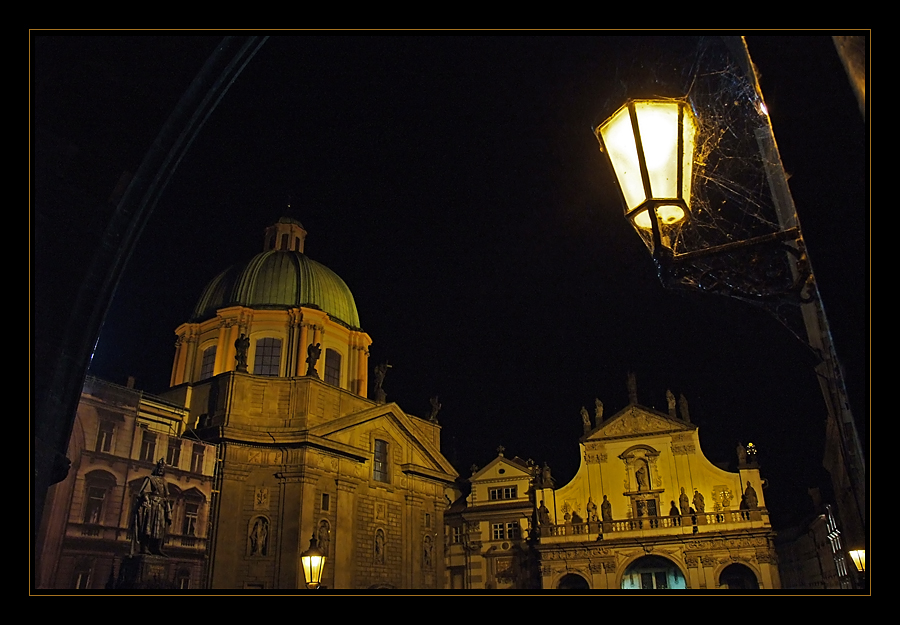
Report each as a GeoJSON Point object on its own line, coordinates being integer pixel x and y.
{"type": "Point", "coordinates": [273, 369]}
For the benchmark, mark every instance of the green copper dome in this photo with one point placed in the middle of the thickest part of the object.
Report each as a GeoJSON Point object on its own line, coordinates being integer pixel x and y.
{"type": "Point", "coordinates": [280, 278]}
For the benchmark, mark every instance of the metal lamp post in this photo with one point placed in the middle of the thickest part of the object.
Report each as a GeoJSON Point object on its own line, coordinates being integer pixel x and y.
{"type": "Point", "coordinates": [651, 146]}
{"type": "Point", "coordinates": [313, 561]}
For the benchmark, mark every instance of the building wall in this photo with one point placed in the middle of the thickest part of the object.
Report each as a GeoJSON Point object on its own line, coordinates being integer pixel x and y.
{"type": "Point", "coordinates": [85, 531]}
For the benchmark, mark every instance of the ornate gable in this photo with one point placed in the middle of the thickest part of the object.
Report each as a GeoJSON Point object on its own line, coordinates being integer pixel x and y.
{"type": "Point", "coordinates": [636, 420]}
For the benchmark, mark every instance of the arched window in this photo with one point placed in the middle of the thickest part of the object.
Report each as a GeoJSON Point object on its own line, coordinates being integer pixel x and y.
{"type": "Point", "coordinates": [208, 363]}
{"type": "Point", "coordinates": [268, 357]}
{"type": "Point", "coordinates": [332, 367]}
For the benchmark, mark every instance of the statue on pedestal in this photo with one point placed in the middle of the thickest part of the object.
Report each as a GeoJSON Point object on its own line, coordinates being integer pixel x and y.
{"type": "Point", "coordinates": [313, 352]}
{"type": "Point", "coordinates": [152, 513]}
{"type": "Point", "coordinates": [241, 346]}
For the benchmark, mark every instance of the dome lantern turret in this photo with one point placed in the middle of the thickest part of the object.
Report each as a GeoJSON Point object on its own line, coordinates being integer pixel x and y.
{"type": "Point", "coordinates": [287, 235]}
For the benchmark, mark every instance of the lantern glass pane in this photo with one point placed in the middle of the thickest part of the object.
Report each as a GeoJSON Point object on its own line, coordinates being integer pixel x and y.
{"type": "Point", "coordinates": [690, 133]}
{"type": "Point", "coordinates": [618, 139]}
{"type": "Point", "coordinates": [658, 123]}
{"type": "Point", "coordinates": [312, 568]}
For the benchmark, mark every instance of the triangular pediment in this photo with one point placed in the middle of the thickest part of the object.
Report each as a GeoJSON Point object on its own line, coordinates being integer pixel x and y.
{"type": "Point", "coordinates": [511, 469]}
{"type": "Point", "coordinates": [390, 417]}
{"type": "Point", "coordinates": [637, 420]}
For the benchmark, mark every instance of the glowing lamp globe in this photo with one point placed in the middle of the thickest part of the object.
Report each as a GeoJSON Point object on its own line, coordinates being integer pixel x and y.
{"type": "Point", "coordinates": [650, 144]}
{"type": "Point", "coordinates": [313, 561]}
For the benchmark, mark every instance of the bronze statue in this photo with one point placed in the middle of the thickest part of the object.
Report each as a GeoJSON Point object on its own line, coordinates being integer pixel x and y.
{"type": "Point", "coordinates": [152, 513]}
{"type": "Point", "coordinates": [606, 510]}
{"type": "Point", "coordinates": [241, 346]}
{"type": "Point", "coordinates": [313, 352]}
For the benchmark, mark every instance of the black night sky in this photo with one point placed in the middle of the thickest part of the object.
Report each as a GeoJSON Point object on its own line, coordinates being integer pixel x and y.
{"type": "Point", "coordinates": [454, 183]}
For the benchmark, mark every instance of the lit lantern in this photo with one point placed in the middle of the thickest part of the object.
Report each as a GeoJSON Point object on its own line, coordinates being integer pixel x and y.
{"type": "Point", "coordinates": [313, 560]}
{"type": "Point", "coordinates": [859, 559]}
{"type": "Point", "coordinates": [650, 144]}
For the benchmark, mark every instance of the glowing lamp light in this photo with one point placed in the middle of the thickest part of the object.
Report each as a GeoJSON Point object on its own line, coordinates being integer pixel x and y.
{"type": "Point", "coordinates": [313, 560]}
{"type": "Point", "coordinates": [859, 559]}
{"type": "Point", "coordinates": [650, 144]}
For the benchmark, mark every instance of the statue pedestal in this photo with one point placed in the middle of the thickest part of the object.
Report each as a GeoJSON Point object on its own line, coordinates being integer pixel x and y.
{"type": "Point", "coordinates": [144, 572]}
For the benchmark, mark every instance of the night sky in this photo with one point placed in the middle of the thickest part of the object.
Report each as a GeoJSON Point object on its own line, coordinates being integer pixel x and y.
{"type": "Point", "coordinates": [455, 185]}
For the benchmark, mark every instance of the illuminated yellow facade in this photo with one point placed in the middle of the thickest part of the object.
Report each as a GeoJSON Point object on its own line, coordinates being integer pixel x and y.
{"type": "Point", "coordinates": [648, 510]}
{"type": "Point", "coordinates": [487, 530]}
{"type": "Point", "coordinates": [303, 451]}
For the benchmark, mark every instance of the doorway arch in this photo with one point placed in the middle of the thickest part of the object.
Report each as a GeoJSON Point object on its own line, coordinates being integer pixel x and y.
{"type": "Point", "coordinates": [653, 573]}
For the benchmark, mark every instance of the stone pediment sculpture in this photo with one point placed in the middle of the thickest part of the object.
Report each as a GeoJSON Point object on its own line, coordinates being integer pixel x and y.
{"type": "Point", "coordinates": [637, 420]}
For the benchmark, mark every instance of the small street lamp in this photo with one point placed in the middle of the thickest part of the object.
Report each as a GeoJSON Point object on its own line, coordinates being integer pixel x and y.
{"type": "Point", "coordinates": [652, 148]}
{"type": "Point", "coordinates": [313, 560]}
{"type": "Point", "coordinates": [859, 561]}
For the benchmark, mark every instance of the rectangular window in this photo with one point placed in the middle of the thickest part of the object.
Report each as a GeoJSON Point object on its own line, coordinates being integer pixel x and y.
{"type": "Point", "coordinates": [326, 502]}
{"type": "Point", "coordinates": [191, 514]}
{"type": "Point", "coordinates": [457, 535]}
{"type": "Point", "coordinates": [332, 367]}
{"type": "Point", "coordinates": [381, 461]}
{"type": "Point", "coordinates": [497, 531]}
{"type": "Point", "coordinates": [197, 459]}
{"type": "Point", "coordinates": [148, 446]}
{"type": "Point", "coordinates": [173, 454]}
{"type": "Point", "coordinates": [267, 360]}
{"type": "Point", "coordinates": [93, 509]}
{"type": "Point", "coordinates": [513, 531]}
{"type": "Point", "coordinates": [208, 363]}
{"type": "Point", "coordinates": [104, 436]}
{"type": "Point", "coordinates": [504, 492]}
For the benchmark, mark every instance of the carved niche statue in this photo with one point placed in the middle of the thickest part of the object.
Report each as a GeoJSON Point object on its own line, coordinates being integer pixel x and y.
{"type": "Point", "coordinates": [152, 512]}
{"type": "Point", "coordinates": [241, 346]}
{"type": "Point", "coordinates": [313, 352]}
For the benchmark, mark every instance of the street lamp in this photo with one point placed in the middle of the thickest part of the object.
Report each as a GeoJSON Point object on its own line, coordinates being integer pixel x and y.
{"type": "Point", "coordinates": [650, 144]}
{"type": "Point", "coordinates": [313, 560]}
{"type": "Point", "coordinates": [652, 148]}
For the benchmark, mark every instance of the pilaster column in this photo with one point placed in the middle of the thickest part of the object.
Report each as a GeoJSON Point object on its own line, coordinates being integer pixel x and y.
{"type": "Point", "coordinates": [343, 538]}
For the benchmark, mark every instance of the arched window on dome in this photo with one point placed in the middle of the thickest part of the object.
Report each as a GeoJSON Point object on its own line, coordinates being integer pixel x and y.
{"type": "Point", "coordinates": [267, 360]}
{"type": "Point", "coordinates": [333, 367]}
